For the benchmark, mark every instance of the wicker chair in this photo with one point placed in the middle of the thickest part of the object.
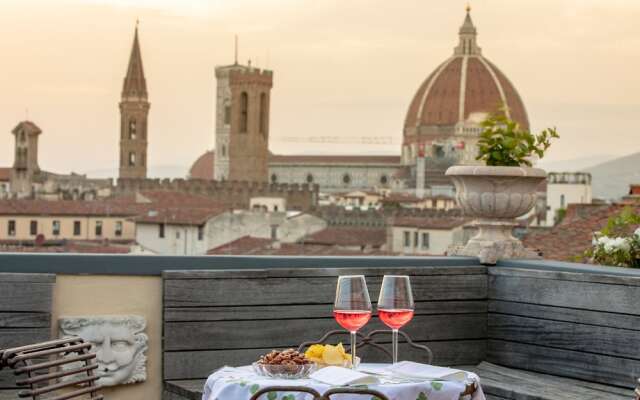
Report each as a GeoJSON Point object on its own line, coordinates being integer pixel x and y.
{"type": "Point", "coordinates": [317, 396]}
{"type": "Point", "coordinates": [55, 370]}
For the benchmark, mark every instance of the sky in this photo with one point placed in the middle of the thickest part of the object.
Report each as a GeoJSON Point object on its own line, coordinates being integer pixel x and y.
{"type": "Point", "coordinates": [346, 68]}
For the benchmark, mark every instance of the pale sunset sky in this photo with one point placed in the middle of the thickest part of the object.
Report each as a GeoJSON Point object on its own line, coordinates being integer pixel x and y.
{"type": "Point", "coordinates": [341, 68]}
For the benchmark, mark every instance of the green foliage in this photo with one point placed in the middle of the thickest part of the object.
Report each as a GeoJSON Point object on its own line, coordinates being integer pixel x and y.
{"type": "Point", "coordinates": [504, 143]}
{"type": "Point", "coordinates": [560, 214]}
{"type": "Point", "coordinates": [617, 244]}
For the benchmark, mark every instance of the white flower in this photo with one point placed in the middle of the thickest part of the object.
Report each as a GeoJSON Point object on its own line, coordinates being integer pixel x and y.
{"type": "Point", "coordinates": [637, 233]}
{"type": "Point", "coordinates": [618, 243]}
{"type": "Point", "coordinates": [603, 240]}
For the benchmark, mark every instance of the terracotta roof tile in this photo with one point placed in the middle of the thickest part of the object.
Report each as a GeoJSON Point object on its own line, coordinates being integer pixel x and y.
{"type": "Point", "coordinates": [371, 237]}
{"type": "Point", "coordinates": [5, 174]}
{"type": "Point", "coordinates": [572, 237]}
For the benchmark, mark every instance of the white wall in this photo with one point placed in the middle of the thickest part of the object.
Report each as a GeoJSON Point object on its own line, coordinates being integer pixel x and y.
{"type": "Point", "coordinates": [574, 193]}
{"type": "Point", "coordinates": [439, 240]}
{"type": "Point", "coordinates": [178, 239]}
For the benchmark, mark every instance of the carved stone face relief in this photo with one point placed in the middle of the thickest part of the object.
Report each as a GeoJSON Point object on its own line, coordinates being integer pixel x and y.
{"type": "Point", "coordinates": [118, 342]}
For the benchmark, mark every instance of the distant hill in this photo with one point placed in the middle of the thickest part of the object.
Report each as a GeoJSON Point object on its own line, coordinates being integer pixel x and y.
{"type": "Point", "coordinates": [574, 164]}
{"type": "Point", "coordinates": [611, 179]}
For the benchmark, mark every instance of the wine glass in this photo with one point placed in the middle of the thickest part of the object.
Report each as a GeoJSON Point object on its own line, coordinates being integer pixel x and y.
{"type": "Point", "coordinates": [395, 306]}
{"type": "Point", "coordinates": [352, 308]}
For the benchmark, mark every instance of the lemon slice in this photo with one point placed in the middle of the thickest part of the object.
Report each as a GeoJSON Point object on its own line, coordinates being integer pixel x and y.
{"type": "Point", "coordinates": [332, 355]}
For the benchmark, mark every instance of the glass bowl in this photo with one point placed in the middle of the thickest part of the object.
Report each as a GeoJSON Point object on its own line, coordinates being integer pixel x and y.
{"type": "Point", "coordinates": [296, 371]}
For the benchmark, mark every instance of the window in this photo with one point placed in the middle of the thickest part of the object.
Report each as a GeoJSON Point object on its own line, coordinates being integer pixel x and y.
{"type": "Point", "coordinates": [33, 228]}
{"type": "Point", "coordinates": [562, 201]}
{"type": "Point", "coordinates": [227, 114]}
{"type": "Point", "coordinates": [407, 239]}
{"type": "Point", "coordinates": [200, 232]}
{"type": "Point", "coordinates": [263, 113]}
{"type": "Point", "coordinates": [224, 150]}
{"type": "Point", "coordinates": [161, 230]}
{"type": "Point", "coordinates": [77, 228]}
{"type": "Point", "coordinates": [55, 228]}
{"type": "Point", "coordinates": [132, 129]}
{"type": "Point", "coordinates": [11, 229]}
{"type": "Point", "coordinates": [309, 178]}
{"type": "Point", "coordinates": [274, 178]}
{"type": "Point", "coordinates": [425, 240]}
{"type": "Point", "coordinates": [132, 159]}
{"type": "Point", "coordinates": [244, 112]}
{"type": "Point", "coordinates": [415, 239]}
{"type": "Point", "coordinates": [346, 179]}
{"type": "Point", "coordinates": [384, 180]}
{"type": "Point", "coordinates": [275, 208]}
{"type": "Point", "coordinates": [98, 228]}
{"type": "Point", "coordinates": [118, 231]}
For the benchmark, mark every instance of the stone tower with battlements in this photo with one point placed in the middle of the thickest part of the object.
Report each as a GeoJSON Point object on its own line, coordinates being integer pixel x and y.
{"type": "Point", "coordinates": [25, 166]}
{"type": "Point", "coordinates": [243, 97]}
{"type": "Point", "coordinates": [134, 114]}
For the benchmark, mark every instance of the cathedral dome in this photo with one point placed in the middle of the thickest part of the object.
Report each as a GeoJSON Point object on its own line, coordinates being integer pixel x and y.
{"type": "Point", "coordinates": [462, 90]}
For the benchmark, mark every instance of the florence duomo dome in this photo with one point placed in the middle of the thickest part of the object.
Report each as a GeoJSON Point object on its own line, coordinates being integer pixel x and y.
{"type": "Point", "coordinates": [444, 115]}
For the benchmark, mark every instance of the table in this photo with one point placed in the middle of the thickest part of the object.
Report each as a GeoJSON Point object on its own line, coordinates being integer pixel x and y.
{"type": "Point", "coordinates": [240, 383]}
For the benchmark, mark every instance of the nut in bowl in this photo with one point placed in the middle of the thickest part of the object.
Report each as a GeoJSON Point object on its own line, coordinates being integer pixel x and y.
{"type": "Point", "coordinates": [286, 364]}
{"type": "Point", "coordinates": [326, 355]}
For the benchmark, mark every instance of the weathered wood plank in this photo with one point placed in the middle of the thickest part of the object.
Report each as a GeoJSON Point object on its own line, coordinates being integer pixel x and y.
{"type": "Point", "coordinates": [199, 364]}
{"type": "Point", "coordinates": [632, 279]}
{"type": "Point", "coordinates": [233, 292]}
{"type": "Point", "coordinates": [283, 333]}
{"type": "Point", "coordinates": [322, 272]}
{"type": "Point", "coordinates": [25, 296]}
{"type": "Point", "coordinates": [598, 368]}
{"type": "Point", "coordinates": [518, 384]}
{"type": "Point", "coordinates": [24, 320]}
{"type": "Point", "coordinates": [305, 311]}
{"type": "Point", "coordinates": [32, 278]}
{"type": "Point", "coordinates": [14, 337]}
{"type": "Point", "coordinates": [581, 295]}
{"type": "Point", "coordinates": [565, 335]}
{"type": "Point", "coordinates": [598, 318]}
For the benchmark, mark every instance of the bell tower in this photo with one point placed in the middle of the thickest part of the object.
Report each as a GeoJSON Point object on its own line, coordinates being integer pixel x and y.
{"type": "Point", "coordinates": [25, 165]}
{"type": "Point", "coordinates": [243, 98]}
{"type": "Point", "coordinates": [134, 113]}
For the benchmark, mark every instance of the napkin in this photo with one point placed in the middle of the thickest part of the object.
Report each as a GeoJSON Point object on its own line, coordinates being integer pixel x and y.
{"type": "Point", "coordinates": [339, 376]}
{"type": "Point", "coordinates": [411, 369]}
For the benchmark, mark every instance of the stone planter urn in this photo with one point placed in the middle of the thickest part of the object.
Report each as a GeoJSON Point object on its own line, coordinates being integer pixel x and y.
{"type": "Point", "coordinates": [495, 197]}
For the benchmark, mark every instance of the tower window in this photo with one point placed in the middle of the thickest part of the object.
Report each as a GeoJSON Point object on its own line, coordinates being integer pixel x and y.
{"type": "Point", "coordinates": [244, 112]}
{"type": "Point", "coordinates": [132, 159]}
{"type": "Point", "coordinates": [132, 129]}
{"type": "Point", "coordinates": [346, 179]}
{"type": "Point", "coordinates": [227, 114]}
{"type": "Point", "coordinates": [263, 113]}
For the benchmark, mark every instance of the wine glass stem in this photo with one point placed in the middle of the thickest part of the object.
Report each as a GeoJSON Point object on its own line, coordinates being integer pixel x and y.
{"type": "Point", "coordinates": [353, 350]}
{"type": "Point", "coordinates": [394, 344]}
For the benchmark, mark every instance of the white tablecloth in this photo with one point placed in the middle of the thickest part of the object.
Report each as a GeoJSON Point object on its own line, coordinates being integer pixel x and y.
{"type": "Point", "coordinates": [240, 383]}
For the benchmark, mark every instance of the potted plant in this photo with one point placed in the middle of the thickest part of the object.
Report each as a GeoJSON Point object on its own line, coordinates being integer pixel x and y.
{"type": "Point", "coordinates": [501, 190]}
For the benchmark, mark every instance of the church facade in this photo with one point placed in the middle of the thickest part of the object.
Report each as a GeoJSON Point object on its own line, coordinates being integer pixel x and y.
{"type": "Point", "coordinates": [441, 128]}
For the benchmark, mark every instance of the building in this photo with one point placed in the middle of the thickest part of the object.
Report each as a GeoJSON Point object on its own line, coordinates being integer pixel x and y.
{"type": "Point", "coordinates": [441, 128]}
{"type": "Point", "coordinates": [134, 117]}
{"type": "Point", "coordinates": [242, 123]}
{"type": "Point", "coordinates": [5, 182]}
{"type": "Point", "coordinates": [564, 188]}
{"type": "Point", "coordinates": [28, 220]}
{"type": "Point", "coordinates": [425, 236]}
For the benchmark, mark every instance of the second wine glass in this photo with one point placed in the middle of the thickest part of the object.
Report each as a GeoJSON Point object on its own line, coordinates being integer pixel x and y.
{"type": "Point", "coordinates": [395, 306]}
{"type": "Point", "coordinates": [352, 308]}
